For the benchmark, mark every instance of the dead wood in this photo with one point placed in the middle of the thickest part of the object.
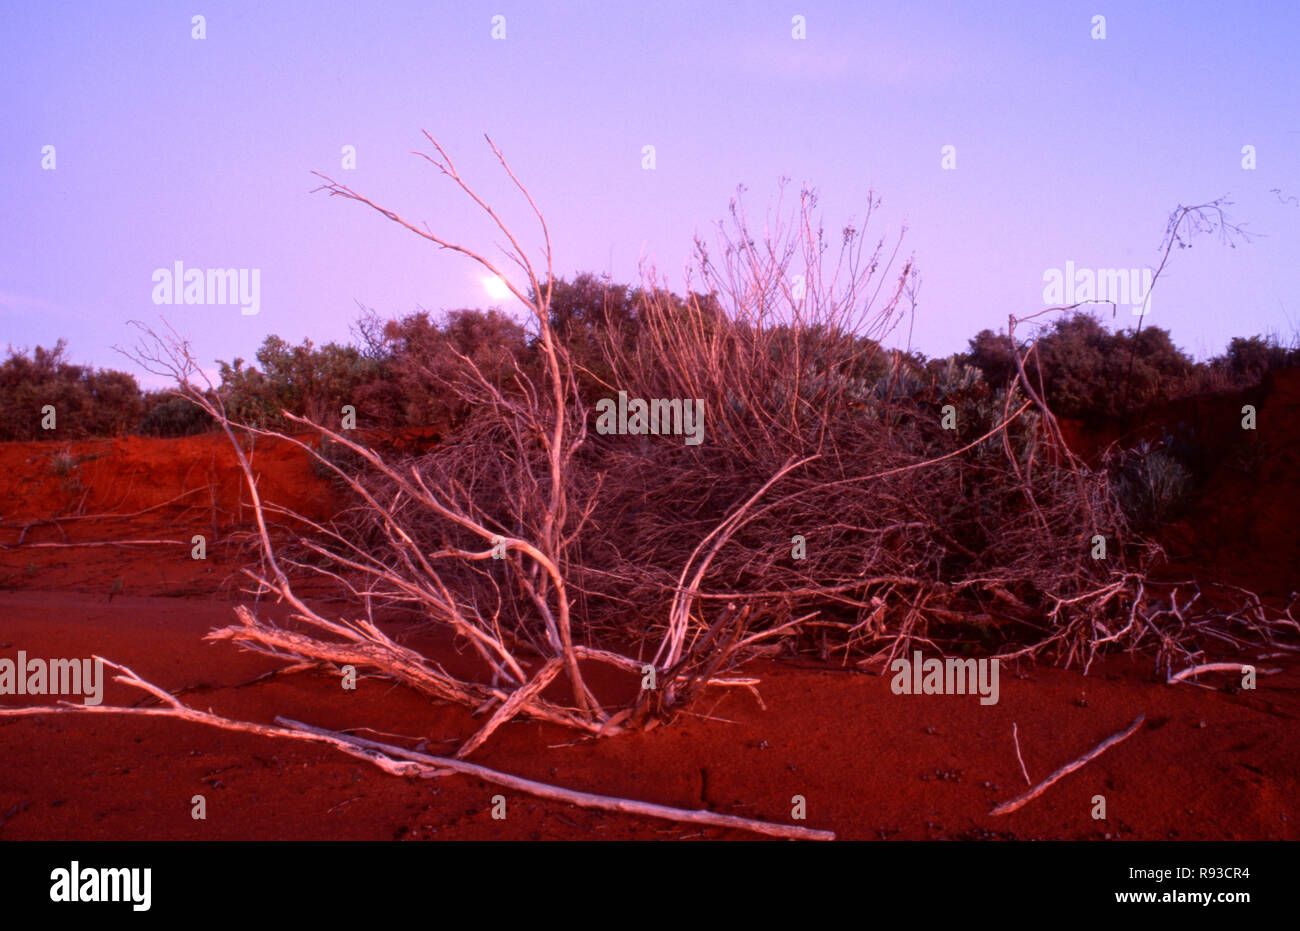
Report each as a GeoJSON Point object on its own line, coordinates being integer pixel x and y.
{"type": "Point", "coordinates": [1012, 804]}
{"type": "Point", "coordinates": [408, 762]}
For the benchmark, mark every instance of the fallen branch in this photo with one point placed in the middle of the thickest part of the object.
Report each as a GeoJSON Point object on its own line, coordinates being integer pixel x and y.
{"type": "Point", "coordinates": [1216, 667]}
{"type": "Point", "coordinates": [59, 520]}
{"type": "Point", "coordinates": [1007, 807]}
{"type": "Point", "coordinates": [572, 796]}
{"type": "Point", "coordinates": [62, 546]}
{"type": "Point", "coordinates": [410, 763]}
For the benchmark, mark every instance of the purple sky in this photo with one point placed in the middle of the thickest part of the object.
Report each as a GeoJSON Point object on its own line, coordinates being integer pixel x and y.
{"type": "Point", "coordinates": [1068, 148]}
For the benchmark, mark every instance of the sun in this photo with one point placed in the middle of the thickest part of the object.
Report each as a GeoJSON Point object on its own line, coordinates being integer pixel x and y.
{"type": "Point", "coordinates": [495, 287]}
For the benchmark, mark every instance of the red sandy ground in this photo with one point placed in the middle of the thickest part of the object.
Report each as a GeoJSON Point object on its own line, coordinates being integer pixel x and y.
{"type": "Point", "coordinates": [1208, 763]}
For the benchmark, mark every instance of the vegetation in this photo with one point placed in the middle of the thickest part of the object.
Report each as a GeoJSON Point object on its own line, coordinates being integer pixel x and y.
{"type": "Point", "coordinates": [403, 372]}
{"type": "Point", "coordinates": [1101, 376]}
{"type": "Point", "coordinates": [886, 498]}
{"type": "Point", "coordinates": [86, 401]}
{"type": "Point", "coordinates": [166, 415]}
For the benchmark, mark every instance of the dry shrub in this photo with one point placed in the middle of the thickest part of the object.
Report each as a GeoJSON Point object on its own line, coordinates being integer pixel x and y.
{"type": "Point", "coordinates": [544, 547]}
{"type": "Point", "coordinates": [978, 537]}
{"type": "Point", "coordinates": [913, 533]}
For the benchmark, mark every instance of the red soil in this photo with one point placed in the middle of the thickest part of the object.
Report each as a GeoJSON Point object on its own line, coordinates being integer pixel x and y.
{"type": "Point", "coordinates": [1207, 764]}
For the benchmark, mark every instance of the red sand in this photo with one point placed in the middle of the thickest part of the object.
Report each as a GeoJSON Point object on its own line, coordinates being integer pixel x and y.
{"type": "Point", "coordinates": [1207, 764]}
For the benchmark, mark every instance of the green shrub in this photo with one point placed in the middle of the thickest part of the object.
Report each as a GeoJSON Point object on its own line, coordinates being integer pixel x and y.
{"type": "Point", "coordinates": [1096, 375]}
{"type": "Point", "coordinates": [170, 416]}
{"type": "Point", "coordinates": [305, 380]}
{"type": "Point", "coordinates": [421, 359]}
{"type": "Point", "coordinates": [1150, 484]}
{"type": "Point", "coordinates": [87, 401]}
{"type": "Point", "coordinates": [1249, 358]}
{"type": "Point", "coordinates": [1086, 371]}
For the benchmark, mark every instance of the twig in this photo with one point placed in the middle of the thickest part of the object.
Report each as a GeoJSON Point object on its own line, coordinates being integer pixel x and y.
{"type": "Point", "coordinates": [1216, 667]}
{"type": "Point", "coordinates": [1016, 737]}
{"type": "Point", "coordinates": [512, 706]}
{"type": "Point", "coordinates": [1009, 806]}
